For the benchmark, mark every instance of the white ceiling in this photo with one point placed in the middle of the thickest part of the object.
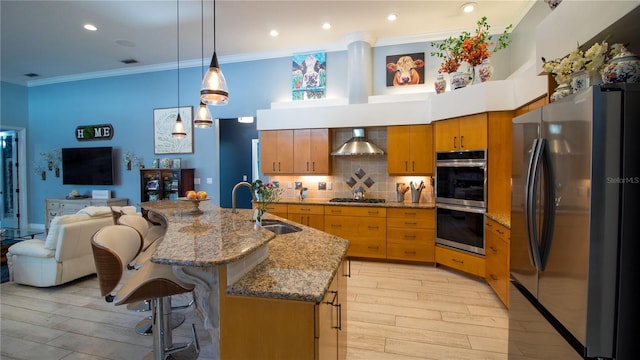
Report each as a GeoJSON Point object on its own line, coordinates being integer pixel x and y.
{"type": "Point", "coordinates": [47, 38]}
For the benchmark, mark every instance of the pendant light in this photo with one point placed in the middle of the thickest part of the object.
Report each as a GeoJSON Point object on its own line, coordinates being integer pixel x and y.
{"type": "Point", "coordinates": [214, 89]}
{"type": "Point", "coordinates": [203, 116]}
{"type": "Point", "coordinates": [178, 128]}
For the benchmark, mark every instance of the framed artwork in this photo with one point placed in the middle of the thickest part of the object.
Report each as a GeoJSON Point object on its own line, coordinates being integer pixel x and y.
{"type": "Point", "coordinates": [163, 120]}
{"type": "Point", "coordinates": [405, 69]}
{"type": "Point", "coordinates": [176, 163]}
{"type": "Point", "coordinates": [309, 76]}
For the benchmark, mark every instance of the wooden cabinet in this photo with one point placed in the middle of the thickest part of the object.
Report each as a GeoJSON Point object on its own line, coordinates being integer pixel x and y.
{"type": "Point", "coordinates": [309, 215]}
{"type": "Point", "coordinates": [276, 151]}
{"type": "Point", "coordinates": [410, 234]}
{"type": "Point", "coordinates": [462, 133]}
{"type": "Point", "coordinates": [468, 263]}
{"type": "Point", "coordinates": [276, 209]}
{"type": "Point", "coordinates": [499, 162]}
{"type": "Point", "coordinates": [410, 150]}
{"type": "Point", "coordinates": [311, 148]}
{"type": "Point", "coordinates": [284, 329]}
{"type": "Point", "coordinates": [497, 239]}
{"type": "Point", "coordinates": [165, 184]}
{"type": "Point", "coordinates": [62, 206]}
{"type": "Point", "coordinates": [364, 227]}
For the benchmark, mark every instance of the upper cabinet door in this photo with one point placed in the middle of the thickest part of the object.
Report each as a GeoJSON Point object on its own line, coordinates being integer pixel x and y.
{"type": "Point", "coordinates": [463, 133]}
{"type": "Point", "coordinates": [311, 151]}
{"type": "Point", "coordinates": [276, 151]}
{"type": "Point", "coordinates": [410, 150]}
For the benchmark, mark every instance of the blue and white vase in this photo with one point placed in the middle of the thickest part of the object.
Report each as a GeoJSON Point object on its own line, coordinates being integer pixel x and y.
{"type": "Point", "coordinates": [623, 68]}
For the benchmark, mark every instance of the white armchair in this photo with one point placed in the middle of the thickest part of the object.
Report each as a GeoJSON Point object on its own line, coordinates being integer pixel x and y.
{"type": "Point", "coordinates": [64, 255]}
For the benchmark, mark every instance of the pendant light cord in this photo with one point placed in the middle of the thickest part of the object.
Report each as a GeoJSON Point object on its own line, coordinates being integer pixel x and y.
{"type": "Point", "coordinates": [178, 49]}
{"type": "Point", "coordinates": [214, 26]}
{"type": "Point", "coordinates": [202, 38]}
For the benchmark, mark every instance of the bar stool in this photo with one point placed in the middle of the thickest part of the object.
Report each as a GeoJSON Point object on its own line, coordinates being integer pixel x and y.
{"type": "Point", "coordinates": [115, 246]}
{"type": "Point", "coordinates": [149, 234]}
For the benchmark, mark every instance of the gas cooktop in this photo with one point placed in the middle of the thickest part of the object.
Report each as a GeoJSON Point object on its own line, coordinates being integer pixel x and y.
{"type": "Point", "coordinates": [352, 200]}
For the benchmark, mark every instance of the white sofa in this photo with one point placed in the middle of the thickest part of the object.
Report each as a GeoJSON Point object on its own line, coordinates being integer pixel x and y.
{"type": "Point", "coordinates": [64, 255]}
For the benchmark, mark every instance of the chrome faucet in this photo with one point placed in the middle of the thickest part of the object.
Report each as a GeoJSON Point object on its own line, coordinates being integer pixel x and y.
{"type": "Point", "coordinates": [233, 195]}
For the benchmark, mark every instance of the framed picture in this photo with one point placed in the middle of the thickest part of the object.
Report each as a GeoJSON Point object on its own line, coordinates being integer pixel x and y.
{"type": "Point", "coordinates": [176, 163]}
{"type": "Point", "coordinates": [163, 120]}
{"type": "Point", "coordinates": [405, 69]}
{"type": "Point", "coordinates": [309, 76]}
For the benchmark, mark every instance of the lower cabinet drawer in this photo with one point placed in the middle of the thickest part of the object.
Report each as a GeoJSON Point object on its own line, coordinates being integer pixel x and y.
{"type": "Point", "coordinates": [471, 264]}
{"type": "Point", "coordinates": [497, 269]}
{"type": "Point", "coordinates": [370, 248]}
{"type": "Point", "coordinates": [410, 251]}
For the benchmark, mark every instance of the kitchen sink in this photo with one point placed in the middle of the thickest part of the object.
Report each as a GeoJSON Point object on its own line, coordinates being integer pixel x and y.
{"type": "Point", "coordinates": [279, 227]}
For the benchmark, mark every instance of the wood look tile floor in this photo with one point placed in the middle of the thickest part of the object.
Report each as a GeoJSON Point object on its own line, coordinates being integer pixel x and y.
{"type": "Point", "coordinates": [396, 311]}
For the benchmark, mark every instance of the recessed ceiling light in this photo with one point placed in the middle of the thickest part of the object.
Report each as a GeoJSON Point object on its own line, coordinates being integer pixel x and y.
{"type": "Point", "coordinates": [392, 17]}
{"type": "Point", "coordinates": [90, 27]}
{"type": "Point", "coordinates": [274, 33]}
{"type": "Point", "coordinates": [326, 25]}
{"type": "Point", "coordinates": [469, 7]}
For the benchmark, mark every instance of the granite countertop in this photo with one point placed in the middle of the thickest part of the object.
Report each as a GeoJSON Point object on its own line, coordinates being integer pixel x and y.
{"type": "Point", "coordinates": [300, 265]}
{"type": "Point", "coordinates": [216, 236]}
{"type": "Point", "coordinates": [500, 218]}
{"type": "Point", "coordinates": [388, 204]}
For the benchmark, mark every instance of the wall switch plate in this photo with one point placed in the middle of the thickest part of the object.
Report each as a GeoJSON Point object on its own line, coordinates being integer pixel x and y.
{"type": "Point", "coordinates": [209, 180]}
{"type": "Point", "coordinates": [322, 186]}
{"type": "Point", "coordinates": [196, 181]}
{"type": "Point", "coordinates": [329, 186]}
{"type": "Point", "coordinates": [289, 185]}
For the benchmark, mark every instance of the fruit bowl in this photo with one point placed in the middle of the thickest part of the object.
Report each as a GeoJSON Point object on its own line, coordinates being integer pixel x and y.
{"type": "Point", "coordinates": [196, 204]}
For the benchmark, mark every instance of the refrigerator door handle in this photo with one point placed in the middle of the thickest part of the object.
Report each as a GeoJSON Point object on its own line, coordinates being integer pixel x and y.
{"type": "Point", "coordinates": [533, 176]}
{"type": "Point", "coordinates": [549, 198]}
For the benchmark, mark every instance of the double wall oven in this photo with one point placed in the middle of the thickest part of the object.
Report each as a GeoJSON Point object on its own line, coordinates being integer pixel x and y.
{"type": "Point", "coordinates": [461, 193]}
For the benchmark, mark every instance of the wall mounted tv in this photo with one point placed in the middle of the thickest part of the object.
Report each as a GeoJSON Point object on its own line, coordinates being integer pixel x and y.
{"type": "Point", "coordinates": [87, 166]}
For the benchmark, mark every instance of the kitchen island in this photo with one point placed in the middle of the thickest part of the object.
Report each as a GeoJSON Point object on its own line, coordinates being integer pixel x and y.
{"type": "Point", "coordinates": [249, 282]}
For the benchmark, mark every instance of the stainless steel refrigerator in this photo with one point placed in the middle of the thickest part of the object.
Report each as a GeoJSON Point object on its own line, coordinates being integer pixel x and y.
{"type": "Point", "coordinates": [574, 228]}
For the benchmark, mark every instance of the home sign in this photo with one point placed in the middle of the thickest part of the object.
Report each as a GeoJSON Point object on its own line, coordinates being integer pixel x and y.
{"type": "Point", "coordinates": [94, 132]}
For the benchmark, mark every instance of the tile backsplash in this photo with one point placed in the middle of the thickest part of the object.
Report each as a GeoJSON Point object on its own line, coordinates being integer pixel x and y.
{"type": "Point", "coordinates": [351, 172]}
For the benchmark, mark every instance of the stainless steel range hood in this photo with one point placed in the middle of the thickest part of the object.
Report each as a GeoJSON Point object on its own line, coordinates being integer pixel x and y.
{"type": "Point", "coordinates": [357, 145]}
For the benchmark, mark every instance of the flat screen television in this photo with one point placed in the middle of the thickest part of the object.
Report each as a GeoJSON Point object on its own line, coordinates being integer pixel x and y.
{"type": "Point", "coordinates": [87, 166]}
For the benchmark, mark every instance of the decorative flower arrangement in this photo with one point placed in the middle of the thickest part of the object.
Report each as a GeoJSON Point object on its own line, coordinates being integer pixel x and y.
{"type": "Point", "coordinates": [592, 60]}
{"type": "Point", "coordinates": [472, 49]}
{"type": "Point", "coordinates": [267, 194]}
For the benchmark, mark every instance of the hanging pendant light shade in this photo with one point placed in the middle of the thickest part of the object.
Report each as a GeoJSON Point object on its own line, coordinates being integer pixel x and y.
{"type": "Point", "coordinates": [214, 90]}
{"type": "Point", "coordinates": [178, 128]}
{"type": "Point", "coordinates": [203, 117]}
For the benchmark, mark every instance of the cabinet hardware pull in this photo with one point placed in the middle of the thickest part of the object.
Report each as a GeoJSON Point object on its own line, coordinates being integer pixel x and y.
{"type": "Point", "coordinates": [493, 277]}
{"type": "Point", "coordinates": [305, 209]}
{"type": "Point", "coordinates": [457, 261]}
{"type": "Point", "coordinates": [333, 300]}
{"type": "Point", "coordinates": [499, 231]}
{"type": "Point", "coordinates": [410, 223]}
{"type": "Point", "coordinates": [410, 214]}
{"type": "Point", "coordinates": [461, 141]}
{"type": "Point", "coordinates": [489, 224]}
{"type": "Point", "coordinates": [339, 306]}
{"type": "Point", "coordinates": [454, 142]}
{"type": "Point", "coordinates": [371, 247]}
{"type": "Point", "coordinates": [313, 166]}
{"type": "Point", "coordinates": [407, 236]}
{"type": "Point", "coordinates": [273, 166]}
{"type": "Point", "coordinates": [348, 274]}
{"type": "Point", "coordinates": [307, 166]}
{"type": "Point", "coordinates": [406, 166]}
{"type": "Point", "coordinates": [493, 248]}
{"type": "Point", "coordinates": [410, 252]}
{"type": "Point", "coordinates": [413, 166]}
